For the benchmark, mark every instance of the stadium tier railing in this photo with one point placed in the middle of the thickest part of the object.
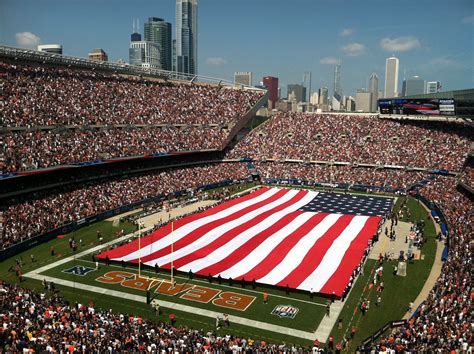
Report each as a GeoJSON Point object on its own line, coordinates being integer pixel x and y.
{"type": "Point", "coordinates": [353, 164]}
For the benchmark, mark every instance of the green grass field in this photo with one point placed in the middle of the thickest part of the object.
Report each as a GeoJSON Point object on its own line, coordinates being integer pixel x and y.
{"type": "Point", "coordinates": [398, 292]}
{"type": "Point", "coordinates": [396, 296]}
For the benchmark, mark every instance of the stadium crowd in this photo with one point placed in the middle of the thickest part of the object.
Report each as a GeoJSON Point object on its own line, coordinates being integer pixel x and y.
{"type": "Point", "coordinates": [377, 177]}
{"type": "Point", "coordinates": [467, 176]}
{"type": "Point", "coordinates": [40, 213]}
{"type": "Point", "coordinates": [358, 139]}
{"type": "Point", "coordinates": [32, 322]}
{"type": "Point", "coordinates": [95, 115]}
{"type": "Point", "coordinates": [444, 322]}
{"type": "Point", "coordinates": [34, 95]}
{"type": "Point", "coordinates": [39, 149]}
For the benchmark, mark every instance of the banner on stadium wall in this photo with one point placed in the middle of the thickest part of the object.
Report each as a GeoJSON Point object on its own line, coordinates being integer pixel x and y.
{"type": "Point", "coordinates": [417, 106]}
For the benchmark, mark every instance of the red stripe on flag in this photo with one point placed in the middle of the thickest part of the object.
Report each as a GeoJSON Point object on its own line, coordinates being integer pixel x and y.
{"type": "Point", "coordinates": [231, 234]}
{"type": "Point", "coordinates": [340, 278]}
{"type": "Point", "coordinates": [166, 230]}
{"type": "Point", "coordinates": [249, 246]}
{"type": "Point", "coordinates": [202, 230]}
{"type": "Point", "coordinates": [280, 251]}
{"type": "Point", "coordinates": [315, 255]}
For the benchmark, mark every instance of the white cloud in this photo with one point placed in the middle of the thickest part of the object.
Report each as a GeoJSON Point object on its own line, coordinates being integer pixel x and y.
{"type": "Point", "coordinates": [329, 60]}
{"type": "Point", "coordinates": [216, 61]}
{"type": "Point", "coordinates": [399, 44]}
{"type": "Point", "coordinates": [468, 20]}
{"type": "Point", "coordinates": [346, 32]}
{"type": "Point", "coordinates": [354, 49]}
{"type": "Point", "coordinates": [27, 40]}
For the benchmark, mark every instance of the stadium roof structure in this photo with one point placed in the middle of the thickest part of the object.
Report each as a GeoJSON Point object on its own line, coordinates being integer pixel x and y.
{"type": "Point", "coordinates": [467, 94]}
{"type": "Point", "coordinates": [122, 68]}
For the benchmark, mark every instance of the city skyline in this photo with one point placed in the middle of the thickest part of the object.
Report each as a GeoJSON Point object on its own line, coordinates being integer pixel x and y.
{"type": "Point", "coordinates": [227, 46]}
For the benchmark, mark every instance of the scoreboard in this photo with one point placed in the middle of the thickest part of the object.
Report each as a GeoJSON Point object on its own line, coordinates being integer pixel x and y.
{"type": "Point", "coordinates": [425, 106]}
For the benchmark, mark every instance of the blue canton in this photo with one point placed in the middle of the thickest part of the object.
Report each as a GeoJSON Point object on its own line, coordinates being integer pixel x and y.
{"type": "Point", "coordinates": [336, 203]}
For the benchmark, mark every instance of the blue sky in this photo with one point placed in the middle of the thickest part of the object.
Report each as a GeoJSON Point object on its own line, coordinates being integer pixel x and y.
{"type": "Point", "coordinates": [433, 39]}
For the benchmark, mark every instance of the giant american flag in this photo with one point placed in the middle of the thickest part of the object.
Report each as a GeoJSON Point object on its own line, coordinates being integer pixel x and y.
{"type": "Point", "coordinates": [302, 239]}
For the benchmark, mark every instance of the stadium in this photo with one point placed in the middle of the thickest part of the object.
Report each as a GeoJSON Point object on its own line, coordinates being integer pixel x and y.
{"type": "Point", "coordinates": [143, 211]}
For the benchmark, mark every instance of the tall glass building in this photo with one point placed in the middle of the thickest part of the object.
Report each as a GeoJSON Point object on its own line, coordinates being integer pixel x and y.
{"type": "Point", "coordinates": [158, 31]}
{"type": "Point", "coordinates": [337, 81]}
{"type": "Point", "coordinates": [186, 36]}
{"type": "Point", "coordinates": [391, 77]}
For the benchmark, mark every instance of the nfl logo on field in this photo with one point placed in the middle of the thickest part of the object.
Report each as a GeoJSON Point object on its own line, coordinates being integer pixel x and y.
{"type": "Point", "coordinates": [285, 311]}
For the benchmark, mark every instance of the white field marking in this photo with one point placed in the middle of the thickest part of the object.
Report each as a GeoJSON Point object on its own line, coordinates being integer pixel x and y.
{"type": "Point", "coordinates": [221, 285]}
{"type": "Point", "coordinates": [179, 307]}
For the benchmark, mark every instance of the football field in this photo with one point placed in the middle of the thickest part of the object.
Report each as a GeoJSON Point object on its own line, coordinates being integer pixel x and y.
{"type": "Point", "coordinates": [291, 315]}
{"type": "Point", "coordinates": [288, 315]}
{"type": "Point", "coordinates": [297, 239]}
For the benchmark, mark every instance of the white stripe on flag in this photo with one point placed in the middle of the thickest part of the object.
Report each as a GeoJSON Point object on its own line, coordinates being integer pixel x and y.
{"type": "Point", "coordinates": [333, 256]}
{"type": "Point", "coordinates": [243, 237]}
{"type": "Point", "coordinates": [298, 252]}
{"type": "Point", "coordinates": [263, 250]}
{"type": "Point", "coordinates": [187, 228]}
{"type": "Point", "coordinates": [215, 233]}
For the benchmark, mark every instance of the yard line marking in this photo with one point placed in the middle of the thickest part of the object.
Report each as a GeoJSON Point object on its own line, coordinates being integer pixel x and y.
{"type": "Point", "coordinates": [179, 307]}
{"type": "Point", "coordinates": [220, 285]}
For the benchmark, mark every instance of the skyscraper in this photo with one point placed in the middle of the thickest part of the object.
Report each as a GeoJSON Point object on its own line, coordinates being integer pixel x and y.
{"type": "Point", "coordinates": [363, 100]}
{"type": "Point", "coordinates": [243, 78]}
{"type": "Point", "coordinates": [414, 86]}
{"type": "Point", "coordinates": [145, 54]}
{"type": "Point", "coordinates": [271, 83]}
{"type": "Point", "coordinates": [433, 87]}
{"type": "Point", "coordinates": [158, 31]}
{"type": "Point", "coordinates": [337, 81]}
{"type": "Point", "coordinates": [391, 77]}
{"type": "Point", "coordinates": [323, 96]}
{"type": "Point", "coordinates": [374, 90]}
{"type": "Point", "coordinates": [173, 56]}
{"type": "Point", "coordinates": [307, 85]}
{"type": "Point", "coordinates": [298, 90]}
{"type": "Point", "coordinates": [186, 36]}
{"type": "Point", "coordinates": [350, 104]}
